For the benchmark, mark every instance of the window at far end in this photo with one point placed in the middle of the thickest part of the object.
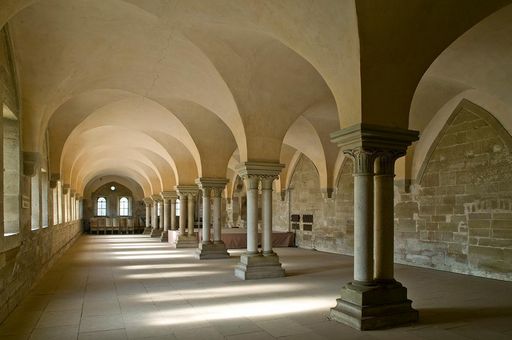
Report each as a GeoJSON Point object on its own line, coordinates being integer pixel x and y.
{"type": "Point", "coordinates": [102, 207]}
{"type": "Point", "coordinates": [124, 207]}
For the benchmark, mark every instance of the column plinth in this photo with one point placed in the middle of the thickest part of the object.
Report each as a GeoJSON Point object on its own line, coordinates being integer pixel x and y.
{"type": "Point", "coordinates": [373, 299]}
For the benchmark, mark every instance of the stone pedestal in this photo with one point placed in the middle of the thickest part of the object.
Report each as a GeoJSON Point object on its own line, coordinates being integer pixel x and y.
{"type": "Point", "coordinates": [210, 250]}
{"type": "Point", "coordinates": [165, 236]}
{"type": "Point", "coordinates": [186, 241]}
{"type": "Point", "coordinates": [258, 266]}
{"type": "Point", "coordinates": [147, 231]}
{"type": "Point", "coordinates": [156, 232]}
{"type": "Point", "coordinates": [373, 307]}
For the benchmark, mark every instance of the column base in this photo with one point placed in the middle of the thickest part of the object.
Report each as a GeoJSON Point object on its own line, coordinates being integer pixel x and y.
{"type": "Point", "coordinates": [186, 241]}
{"type": "Point", "coordinates": [156, 232]}
{"type": "Point", "coordinates": [165, 236]}
{"type": "Point", "coordinates": [258, 266]}
{"type": "Point", "coordinates": [147, 231]}
{"type": "Point", "coordinates": [373, 307]}
{"type": "Point", "coordinates": [208, 251]}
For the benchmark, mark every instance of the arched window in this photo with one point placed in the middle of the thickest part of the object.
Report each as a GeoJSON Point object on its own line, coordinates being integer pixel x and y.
{"type": "Point", "coordinates": [124, 207]}
{"type": "Point", "coordinates": [102, 207]}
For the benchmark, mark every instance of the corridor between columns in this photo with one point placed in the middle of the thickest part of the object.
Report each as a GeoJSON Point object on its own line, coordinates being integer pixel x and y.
{"type": "Point", "coordinates": [134, 287]}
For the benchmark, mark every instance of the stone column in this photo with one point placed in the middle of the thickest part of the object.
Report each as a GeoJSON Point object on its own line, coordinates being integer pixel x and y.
{"type": "Point", "coordinates": [187, 194]}
{"type": "Point", "coordinates": [373, 299]}
{"type": "Point", "coordinates": [191, 214]}
{"type": "Point", "coordinates": [155, 221]}
{"type": "Point", "coordinates": [384, 216]}
{"type": "Point", "coordinates": [253, 265]}
{"type": "Point", "coordinates": [147, 202]}
{"type": "Point", "coordinates": [208, 249]}
{"type": "Point", "coordinates": [266, 189]}
{"type": "Point", "coordinates": [173, 213]}
{"type": "Point", "coordinates": [217, 202]}
{"type": "Point", "coordinates": [183, 213]}
{"type": "Point", "coordinates": [251, 183]}
{"type": "Point", "coordinates": [161, 221]}
{"type": "Point", "coordinates": [363, 215]}
{"type": "Point", "coordinates": [206, 214]}
{"type": "Point", "coordinates": [169, 201]}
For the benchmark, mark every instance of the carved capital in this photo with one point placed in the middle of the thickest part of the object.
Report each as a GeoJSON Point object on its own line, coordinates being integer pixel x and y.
{"type": "Point", "coordinates": [31, 161]}
{"type": "Point", "coordinates": [363, 160]}
{"type": "Point", "coordinates": [266, 181]}
{"type": "Point", "coordinates": [217, 192]}
{"type": "Point", "coordinates": [251, 181]}
{"type": "Point", "coordinates": [385, 163]}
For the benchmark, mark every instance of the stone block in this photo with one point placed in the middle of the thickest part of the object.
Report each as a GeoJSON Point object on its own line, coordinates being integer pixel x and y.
{"type": "Point", "coordinates": [502, 224]}
{"type": "Point", "coordinates": [502, 233]}
{"type": "Point", "coordinates": [366, 308]}
{"type": "Point", "coordinates": [445, 226]}
{"type": "Point", "coordinates": [252, 267]}
{"type": "Point", "coordinates": [430, 180]}
{"type": "Point", "coordinates": [185, 241]}
{"type": "Point", "coordinates": [207, 251]}
{"type": "Point", "coordinates": [479, 224]}
{"type": "Point", "coordinates": [480, 232]}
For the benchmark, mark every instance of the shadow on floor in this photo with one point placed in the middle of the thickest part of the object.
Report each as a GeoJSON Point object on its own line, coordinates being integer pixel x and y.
{"type": "Point", "coordinates": [430, 316]}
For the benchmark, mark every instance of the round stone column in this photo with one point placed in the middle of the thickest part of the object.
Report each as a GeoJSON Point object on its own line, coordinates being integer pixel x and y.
{"type": "Point", "coordinates": [154, 219]}
{"type": "Point", "coordinates": [363, 215]}
{"type": "Point", "coordinates": [173, 213]}
{"type": "Point", "coordinates": [183, 213]}
{"type": "Point", "coordinates": [266, 188]}
{"type": "Point", "coordinates": [148, 215]}
{"type": "Point", "coordinates": [162, 216]}
{"type": "Point", "coordinates": [251, 183]}
{"type": "Point", "coordinates": [217, 236]}
{"type": "Point", "coordinates": [384, 215]}
{"type": "Point", "coordinates": [206, 214]}
{"type": "Point", "coordinates": [191, 211]}
{"type": "Point", "coordinates": [166, 214]}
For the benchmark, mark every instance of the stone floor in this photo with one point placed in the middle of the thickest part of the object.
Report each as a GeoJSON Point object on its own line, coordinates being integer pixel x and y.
{"type": "Point", "coordinates": [119, 287]}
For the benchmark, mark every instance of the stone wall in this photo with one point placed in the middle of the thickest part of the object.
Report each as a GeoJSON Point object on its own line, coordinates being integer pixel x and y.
{"type": "Point", "coordinates": [458, 217]}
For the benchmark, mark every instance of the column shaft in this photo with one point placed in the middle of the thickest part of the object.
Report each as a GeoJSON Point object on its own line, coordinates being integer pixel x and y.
{"type": "Point", "coordinates": [162, 216]}
{"type": "Point", "coordinates": [148, 215]}
{"type": "Point", "coordinates": [363, 215]}
{"type": "Point", "coordinates": [154, 219]}
{"type": "Point", "coordinates": [206, 215]}
{"type": "Point", "coordinates": [191, 211]}
{"type": "Point", "coordinates": [166, 214]}
{"type": "Point", "coordinates": [266, 186]}
{"type": "Point", "coordinates": [384, 216]}
{"type": "Point", "coordinates": [173, 214]}
{"type": "Point", "coordinates": [252, 213]}
{"type": "Point", "coordinates": [183, 213]}
{"type": "Point", "coordinates": [217, 237]}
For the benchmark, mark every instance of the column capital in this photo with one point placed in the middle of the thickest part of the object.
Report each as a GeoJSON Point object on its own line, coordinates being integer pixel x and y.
{"type": "Point", "coordinates": [363, 159]}
{"type": "Point", "coordinates": [156, 198]}
{"type": "Point", "coordinates": [169, 195]}
{"type": "Point", "coordinates": [148, 201]}
{"type": "Point", "coordinates": [187, 189]}
{"type": "Point", "coordinates": [215, 185]}
{"type": "Point", "coordinates": [261, 169]}
{"type": "Point", "coordinates": [54, 178]}
{"type": "Point", "coordinates": [385, 164]}
{"type": "Point", "coordinates": [266, 181]}
{"type": "Point", "coordinates": [65, 189]}
{"type": "Point", "coordinates": [31, 161]}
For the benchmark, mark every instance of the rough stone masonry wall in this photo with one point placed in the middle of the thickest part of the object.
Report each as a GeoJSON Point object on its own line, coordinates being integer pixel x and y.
{"type": "Point", "coordinates": [458, 218]}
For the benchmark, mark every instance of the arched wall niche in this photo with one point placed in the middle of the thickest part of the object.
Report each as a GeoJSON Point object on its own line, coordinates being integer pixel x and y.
{"type": "Point", "coordinates": [459, 213]}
